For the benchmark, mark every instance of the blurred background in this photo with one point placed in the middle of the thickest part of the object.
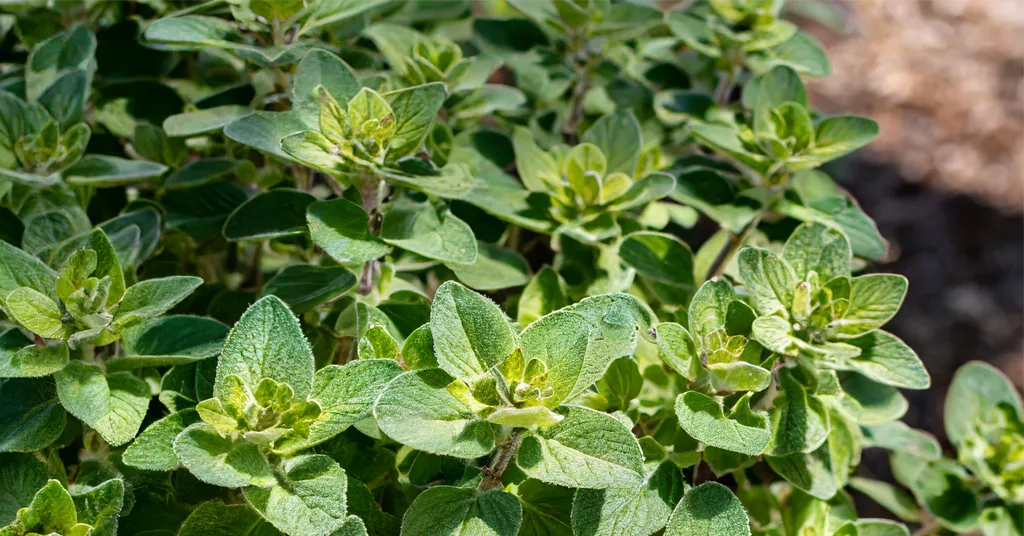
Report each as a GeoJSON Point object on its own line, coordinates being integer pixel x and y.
{"type": "Point", "coordinates": [945, 181]}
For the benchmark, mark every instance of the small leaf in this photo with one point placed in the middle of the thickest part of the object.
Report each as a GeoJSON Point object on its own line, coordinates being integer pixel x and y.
{"type": "Point", "coordinates": [586, 449]}
{"type": "Point", "coordinates": [153, 449]}
{"type": "Point", "coordinates": [305, 286]}
{"type": "Point", "coordinates": [169, 340]}
{"type": "Point", "coordinates": [19, 269]}
{"type": "Point", "coordinates": [202, 171]}
{"type": "Point", "coordinates": [889, 496]}
{"type": "Point", "coordinates": [975, 394]}
{"type": "Point", "coordinates": [743, 431]}
{"type": "Point", "coordinates": [52, 511]}
{"type": "Point", "coordinates": [819, 248]}
{"type": "Point", "coordinates": [840, 135]}
{"type": "Point", "coordinates": [341, 229]}
{"type": "Point", "coordinates": [104, 171]}
{"type": "Point", "coordinates": [494, 268]}
{"type": "Point", "coordinates": [275, 213]}
{"type": "Point", "coordinates": [451, 511]}
{"type": "Point", "coordinates": [887, 359]}
{"type": "Point", "coordinates": [37, 312]}
{"type": "Point", "coordinates": [221, 461]}
{"type": "Point", "coordinates": [100, 506]}
{"type": "Point", "coordinates": [153, 297]}
{"type": "Point", "coordinates": [114, 405]}
{"type": "Point", "coordinates": [415, 108]}
{"type": "Point", "coordinates": [543, 294]}
{"type": "Point", "coordinates": [471, 334]}
{"type": "Point", "coordinates": [21, 358]}
{"type": "Point", "coordinates": [640, 510]}
{"type": "Point", "coordinates": [874, 300]}
{"type": "Point", "coordinates": [421, 229]}
{"type": "Point", "coordinates": [308, 498]}
{"type": "Point", "coordinates": [769, 279]}
{"type": "Point", "coordinates": [215, 517]}
{"type": "Point", "coordinates": [21, 475]}
{"type": "Point", "coordinates": [417, 410]}
{"type": "Point", "coordinates": [708, 509]}
{"type": "Point", "coordinates": [897, 436]}
{"type": "Point", "coordinates": [659, 257]}
{"type": "Point", "coordinates": [320, 68]}
{"type": "Point", "coordinates": [188, 124]}
{"type": "Point", "coordinates": [527, 417]}
{"type": "Point", "coordinates": [618, 137]}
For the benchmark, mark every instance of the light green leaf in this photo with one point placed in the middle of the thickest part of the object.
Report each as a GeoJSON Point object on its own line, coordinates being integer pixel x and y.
{"type": "Point", "coordinates": [417, 410]}
{"type": "Point", "coordinates": [100, 506]}
{"type": "Point", "coordinates": [527, 417]}
{"type": "Point", "coordinates": [889, 496]}
{"type": "Point", "coordinates": [37, 312]}
{"type": "Point", "coordinates": [897, 436]}
{"type": "Point", "coordinates": [799, 420]}
{"type": "Point", "coordinates": [709, 508]}
{"type": "Point", "coordinates": [188, 124]}
{"type": "Point", "coordinates": [678, 350]}
{"type": "Point", "coordinates": [975, 394]}
{"type": "Point", "coordinates": [305, 286]}
{"type": "Point", "coordinates": [346, 395]}
{"type": "Point", "coordinates": [562, 341]}
{"type": "Point", "coordinates": [769, 279]}
{"type": "Point", "coordinates": [153, 297]}
{"type": "Point", "coordinates": [321, 68]}
{"type": "Point", "coordinates": [76, 269]}
{"type": "Point", "coordinates": [659, 257]}
{"type": "Point", "coordinates": [221, 461]}
{"type": "Point", "coordinates": [31, 417]}
{"type": "Point", "coordinates": [586, 449]}
{"type": "Point", "coordinates": [877, 403]}
{"type": "Point", "coordinates": [618, 137]}
{"type": "Point", "coordinates": [267, 342]}
{"type": "Point", "coordinates": [113, 405]}
{"type": "Point", "coordinates": [819, 248]}
{"type": "Point", "coordinates": [872, 527]}
{"type": "Point", "coordinates": [107, 264]}
{"type": "Point", "coordinates": [422, 229]}
{"type": "Point", "coordinates": [271, 214]}
{"type": "Point", "coordinates": [21, 358]}
{"type": "Point", "coordinates": [874, 300]}
{"type": "Point", "coordinates": [265, 130]}
{"type": "Point", "coordinates": [887, 359]}
{"type": "Point", "coordinates": [494, 268]}
{"type": "Point", "coordinates": [743, 430]}
{"type": "Point", "coordinates": [634, 511]}
{"type": "Point", "coordinates": [19, 269]}
{"type": "Point", "coordinates": [709, 307]}
{"type": "Point", "coordinates": [810, 472]}
{"type": "Point", "coordinates": [415, 108]}
{"type": "Point", "coordinates": [307, 500]}
{"type": "Point", "coordinates": [537, 169]}
{"type": "Point", "coordinates": [52, 511]}
{"type": "Point", "coordinates": [153, 449]}
{"type": "Point", "coordinates": [341, 229]}
{"type": "Point", "coordinates": [471, 334]}
{"type": "Point", "coordinates": [543, 294]}
{"type": "Point", "coordinates": [451, 511]}
{"type": "Point", "coordinates": [100, 171]}
{"type": "Point", "coordinates": [840, 135]}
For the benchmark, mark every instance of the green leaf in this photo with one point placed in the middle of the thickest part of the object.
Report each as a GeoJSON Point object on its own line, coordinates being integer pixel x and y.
{"type": "Point", "coordinates": [769, 279]}
{"type": "Point", "coordinates": [897, 436]}
{"type": "Point", "coordinates": [215, 517]}
{"type": "Point", "coordinates": [107, 264]}
{"type": "Point", "coordinates": [307, 500]}
{"type": "Point", "coordinates": [170, 340]}
{"type": "Point", "coordinates": [562, 341]}
{"type": "Point", "coordinates": [202, 171]}
{"type": "Point", "coordinates": [346, 395]}
{"type": "Point", "coordinates": [888, 360]}
{"type": "Point", "coordinates": [321, 68]}
{"type": "Point", "coordinates": [451, 511]}
{"type": "Point", "coordinates": [636, 511]}
{"type": "Point", "coordinates": [975, 395]}
{"type": "Point", "coordinates": [874, 300]}
{"type": "Point", "coordinates": [840, 135]}
{"type": "Point", "coordinates": [275, 213]}
{"type": "Point", "coordinates": [267, 342]}
{"type": "Point", "coordinates": [415, 108]}
{"type": "Point", "coordinates": [417, 410]}
{"type": "Point", "coordinates": [19, 269]}
{"type": "Point", "coordinates": [189, 124]}
{"type": "Point", "coordinates": [201, 211]}
{"type": "Point", "coordinates": [153, 297]}
{"type": "Point", "coordinates": [305, 286]}
{"type": "Point", "coordinates": [877, 402]}
{"type": "Point", "coordinates": [618, 137]}
{"type": "Point", "coordinates": [543, 294]}
{"type": "Point", "coordinates": [526, 417]}
{"type": "Point", "coordinates": [810, 472]}
{"type": "Point", "coordinates": [422, 229]}
{"type": "Point", "coordinates": [743, 430]}
{"type": "Point", "coordinates": [494, 268]}
{"type": "Point", "coordinates": [100, 506]}
{"type": "Point", "coordinates": [659, 257]}
{"type": "Point", "coordinates": [265, 130]}
{"type": "Point", "coordinates": [819, 248]}
{"type": "Point", "coordinates": [52, 511]}
{"type": "Point", "coordinates": [709, 508]}
{"type": "Point", "coordinates": [153, 449]}
{"type": "Point", "coordinates": [221, 461]}
{"type": "Point", "coordinates": [709, 308]}
{"type": "Point", "coordinates": [586, 449]}
{"type": "Point", "coordinates": [37, 312]}
{"type": "Point", "coordinates": [21, 358]}
{"type": "Point", "coordinates": [341, 229]}
{"type": "Point", "coordinates": [113, 405]}
{"type": "Point", "coordinates": [76, 270]}
{"type": "Point", "coordinates": [536, 167]}
{"type": "Point", "coordinates": [104, 171]}
{"type": "Point", "coordinates": [678, 350]}
{"type": "Point", "coordinates": [889, 496]}
{"type": "Point", "coordinates": [471, 334]}
{"type": "Point", "coordinates": [546, 508]}
{"type": "Point", "coordinates": [621, 383]}
{"type": "Point", "coordinates": [21, 475]}
{"type": "Point", "coordinates": [872, 527]}
{"type": "Point", "coordinates": [31, 417]}
{"type": "Point", "coordinates": [799, 419]}
{"type": "Point", "coordinates": [650, 188]}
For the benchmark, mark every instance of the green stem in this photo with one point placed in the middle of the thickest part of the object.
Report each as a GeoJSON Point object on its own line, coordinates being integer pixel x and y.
{"type": "Point", "coordinates": [493, 472]}
{"type": "Point", "coordinates": [736, 240]}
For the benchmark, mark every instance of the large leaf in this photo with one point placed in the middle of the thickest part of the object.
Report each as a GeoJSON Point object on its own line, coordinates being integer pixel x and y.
{"type": "Point", "coordinates": [21, 475]}
{"type": "Point", "coordinates": [633, 511]}
{"type": "Point", "coordinates": [874, 300]}
{"type": "Point", "coordinates": [267, 342]}
{"type": "Point", "coordinates": [818, 248]}
{"type": "Point", "coordinates": [618, 136]}
{"type": "Point", "coordinates": [887, 359]}
{"type": "Point", "coordinates": [103, 171]}
{"type": "Point", "coordinates": [561, 341]}
{"type": "Point", "coordinates": [451, 511]}
{"type": "Point", "coordinates": [471, 334]}
{"type": "Point", "coordinates": [659, 257]}
{"type": "Point", "coordinates": [586, 449]}
{"type": "Point", "coordinates": [308, 498]}
{"type": "Point", "coordinates": [153, 449]}
{"type": "Point", "coordinates": [977, 392]}
{"type": "Point", "coordinates": [305, 286]}
{"type": "Point", "coordinates": [221, 461]}
{"type": "Point", "coordinates": [271, 214]}
{"type": "Point", "coordinates": [341, 229]}
{"type": "Point", "coordinates": [494, 268]}
{"type": "Point", "coordinates": [19, 269]}
{"type": "Point", "coordinates": [710, 508]}
{"type": "Point", "coordinates": [743, 430]}
{"type": "Point", "coordinates": [170, 340]}
{"type": "Point", "coordinates": [321, 68]}
{"type": "Point", "coordinates": [215, 517]}
{"type": "Point", "coordinates": [113, 404]}
{"type": "Point", "coordinates": [153, 297]}
{"type": "Point", "coordinates": [417, 410]}
{"type": "Point", "coordinates": [422, 229]}
{"type": "Point", "coordinates": [21, 358]}
{"type": "Point", "coordinates": [31, 416]}
{"type": "Point", "coordinates": [415, 108]}
{"type": "Point", "coordinates": [769, 279]}
{"type": "Point", "coordinates": [100, 506]}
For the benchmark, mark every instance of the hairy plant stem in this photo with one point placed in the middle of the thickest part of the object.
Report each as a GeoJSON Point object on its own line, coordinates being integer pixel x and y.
{"type": "Point", "coordinates": [736, 240]}
{"type": "Point", "coordinates": [492, 473]}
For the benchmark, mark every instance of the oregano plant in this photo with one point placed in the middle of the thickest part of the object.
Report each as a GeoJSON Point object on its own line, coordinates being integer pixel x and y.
{"type": "Point", "coordinates": [390, 268]}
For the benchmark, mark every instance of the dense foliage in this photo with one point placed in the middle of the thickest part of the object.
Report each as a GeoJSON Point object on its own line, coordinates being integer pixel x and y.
{"type": "Point", "coordinates": [372, 267]}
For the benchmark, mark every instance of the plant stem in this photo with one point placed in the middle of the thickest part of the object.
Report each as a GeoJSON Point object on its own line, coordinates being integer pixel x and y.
{"type": "Point", "coordinates": [737, 240]}
{"type": "Point", "coordinates": [493, 472]}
